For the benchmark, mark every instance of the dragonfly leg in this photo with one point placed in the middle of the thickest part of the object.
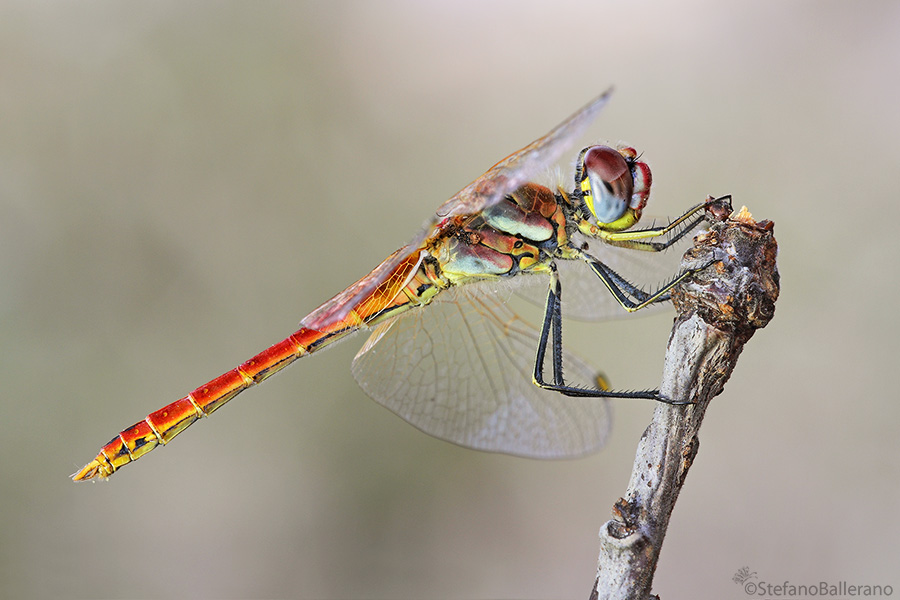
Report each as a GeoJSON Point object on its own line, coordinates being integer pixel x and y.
{"type": "Point", "coordinates": [629, 296]}
{"type": "Point", "coordinates": [678, 228]}
{"type": "Point", "coordinates": [552, 327]}
{"type": "Point", "coordinates": [621, 288]}
{"type": "Point", "coordinates": [629, 288]}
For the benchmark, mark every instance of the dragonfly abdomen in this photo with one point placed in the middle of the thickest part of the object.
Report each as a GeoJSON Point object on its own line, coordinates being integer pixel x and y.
{"type": "Point", "coordinates": [159, 427]}
{"type": "Point", "coordinates": [412, 284]}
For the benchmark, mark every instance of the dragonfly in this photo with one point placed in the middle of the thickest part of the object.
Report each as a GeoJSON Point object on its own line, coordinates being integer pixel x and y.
{"type": "Point", "coordinates": [446, 352]}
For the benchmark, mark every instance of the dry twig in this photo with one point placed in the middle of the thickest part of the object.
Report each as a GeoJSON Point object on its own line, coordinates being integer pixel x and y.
{"type": "Point", "coordinates": [718, 311]}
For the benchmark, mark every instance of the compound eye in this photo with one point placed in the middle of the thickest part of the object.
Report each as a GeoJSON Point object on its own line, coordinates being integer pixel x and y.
{"type": "Point", "coordinates": [607, 183]}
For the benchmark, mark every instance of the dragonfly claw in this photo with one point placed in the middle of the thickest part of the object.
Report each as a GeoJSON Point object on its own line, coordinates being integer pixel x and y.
{"type": "Point", "coordinates": [667, 400]}
{"type": "Point", "coordinates": [718, 209]}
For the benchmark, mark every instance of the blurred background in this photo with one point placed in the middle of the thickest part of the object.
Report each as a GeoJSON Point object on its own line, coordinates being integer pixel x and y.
{"type": "Point", "coordinates": [181, 182]}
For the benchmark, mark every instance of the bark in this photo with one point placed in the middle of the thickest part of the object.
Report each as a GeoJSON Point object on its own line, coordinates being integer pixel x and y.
{"type": "Point", "coordinates": [719, 309]}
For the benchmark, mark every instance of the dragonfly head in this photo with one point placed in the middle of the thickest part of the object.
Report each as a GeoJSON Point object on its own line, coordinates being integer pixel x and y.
{"type": "Point", "coordinates": [614, 185]}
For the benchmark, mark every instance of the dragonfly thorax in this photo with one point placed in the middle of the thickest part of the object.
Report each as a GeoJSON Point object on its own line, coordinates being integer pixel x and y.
{"type": "Point", "coordinates": [518, 234]}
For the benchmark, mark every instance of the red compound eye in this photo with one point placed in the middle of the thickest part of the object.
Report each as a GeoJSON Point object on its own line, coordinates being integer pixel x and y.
{"type": "Point", "coordinates": [610, 180]}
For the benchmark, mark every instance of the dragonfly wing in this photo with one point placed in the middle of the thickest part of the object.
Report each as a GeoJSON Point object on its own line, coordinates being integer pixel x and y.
{"type": "Point", "coordinates": [337, 309]}
{"type": "Point", "coordinates": [502, 179]}
{"type": "Point", "coordinates": [520, 167]}
{"type": "Point", "coordinates": [461, 370]}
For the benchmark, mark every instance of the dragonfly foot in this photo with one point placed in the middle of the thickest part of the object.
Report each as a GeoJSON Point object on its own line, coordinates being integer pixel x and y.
{"type": "Point", "coordinates": [666, 400]}
{"type": "Point", "coordinates": [719, 208]}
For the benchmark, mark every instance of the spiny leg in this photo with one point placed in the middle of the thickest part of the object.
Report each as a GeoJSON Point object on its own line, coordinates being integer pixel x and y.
{"type": "Point", "coordinates": [557, 332]}
{"type": "Point", "coordinates": [621, 289]}
{"type": "Point", "coordinates": [619, 286]}
{"type": "Point", "coordinates": [635, 239]}
{"type": "Point", "coordinates": [628, 287]}
{"type": "Point", "coordinates": [553, 326]}
{"type": "Point", "coordinates": [609, 277]}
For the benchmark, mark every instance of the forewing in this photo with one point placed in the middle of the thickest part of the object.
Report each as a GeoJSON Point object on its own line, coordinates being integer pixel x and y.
{"type": "Point", "coordinates": [502, 179]}
{"type": "Point", "coordinates": [460, 369]}
{"type": "Point", "coordinates": [520, 167]}
{"type": "Point", "coordinates": [339, 307]}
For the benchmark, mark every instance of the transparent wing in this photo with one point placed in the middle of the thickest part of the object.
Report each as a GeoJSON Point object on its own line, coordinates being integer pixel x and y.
{"type": "Point", "coordinates": [461, 370]}
{"type": "Point", "coordinates": [502, 179]}
{"type": "Point", "coordinates": [520, 167]}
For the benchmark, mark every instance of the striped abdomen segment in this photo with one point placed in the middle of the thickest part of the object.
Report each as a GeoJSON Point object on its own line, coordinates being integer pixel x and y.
{"type": "Point", "coordinates": [409, 285]}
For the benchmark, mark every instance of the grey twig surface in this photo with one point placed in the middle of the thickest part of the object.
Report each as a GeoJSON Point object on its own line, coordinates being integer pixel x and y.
{"type": "Point", "coordinates": [719, 308]}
